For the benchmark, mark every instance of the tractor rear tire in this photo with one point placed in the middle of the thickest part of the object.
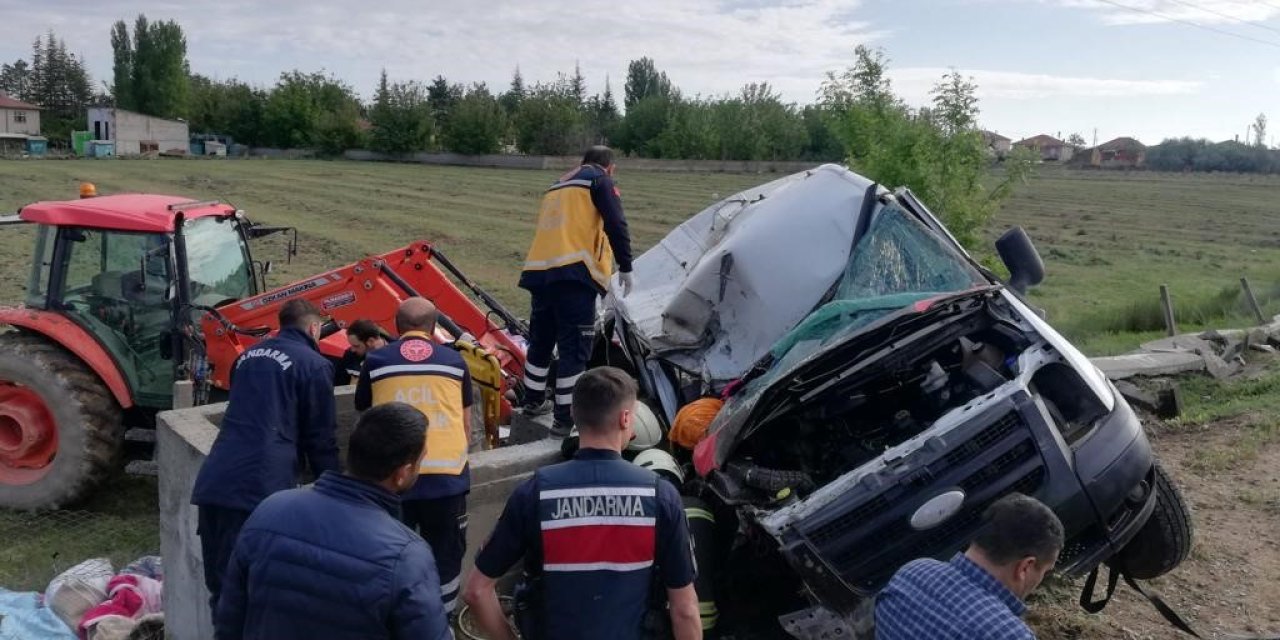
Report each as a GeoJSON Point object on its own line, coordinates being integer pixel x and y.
{"type": "Point", "coordinates": [1165, 540]}
{"type": "Point", "coordinates": [78, 411]}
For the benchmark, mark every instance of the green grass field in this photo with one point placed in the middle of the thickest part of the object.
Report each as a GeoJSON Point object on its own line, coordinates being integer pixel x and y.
{"type": "Point", "coordinates": [1109, 239]}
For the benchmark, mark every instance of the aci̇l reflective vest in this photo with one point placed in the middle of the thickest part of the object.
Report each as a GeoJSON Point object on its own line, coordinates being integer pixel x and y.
{"type": "Point", "coordinates": [571, 229]}
{"type": "Point", "coordinates": [429, 376]}
{"type": "Point", "coordinates": [598, 522]}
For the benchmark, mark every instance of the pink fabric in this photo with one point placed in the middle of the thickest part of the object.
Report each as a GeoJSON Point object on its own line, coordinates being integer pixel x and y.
{"type": "Point", "coordinates": [129, 596]}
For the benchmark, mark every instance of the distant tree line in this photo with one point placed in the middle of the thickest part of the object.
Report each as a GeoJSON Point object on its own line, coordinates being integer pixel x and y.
{"type": "Point", "coordinates": [1192, 154]}
{"type": "Point", "coordinates": [54, 79]}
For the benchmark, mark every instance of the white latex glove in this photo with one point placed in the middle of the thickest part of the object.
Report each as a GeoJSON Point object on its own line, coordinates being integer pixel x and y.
{"type": "Point", "coordinates": [624, 281]}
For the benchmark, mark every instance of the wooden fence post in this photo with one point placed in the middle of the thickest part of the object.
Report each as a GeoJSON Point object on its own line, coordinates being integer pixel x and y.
{"type": "Point", "coordinates": [1253, 301]}
{"type": "Point", "coordinates": [1166, 302]}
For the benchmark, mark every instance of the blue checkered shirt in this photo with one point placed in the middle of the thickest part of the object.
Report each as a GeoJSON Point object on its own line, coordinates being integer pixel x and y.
{"type": "Point", "coordinates": [955, 600]}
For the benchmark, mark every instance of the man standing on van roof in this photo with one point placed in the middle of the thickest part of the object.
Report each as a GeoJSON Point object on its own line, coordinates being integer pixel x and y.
{"type": "Point", "coordinates": [581, 232]}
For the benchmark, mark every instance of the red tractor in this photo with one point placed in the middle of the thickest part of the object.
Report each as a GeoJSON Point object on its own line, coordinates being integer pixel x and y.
{"type": "Point", "coordinates": [129, 293]}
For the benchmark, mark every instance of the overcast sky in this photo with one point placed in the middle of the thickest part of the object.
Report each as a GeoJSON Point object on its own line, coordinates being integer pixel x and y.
{"type": "Point", "coordinates": [1145, 68]}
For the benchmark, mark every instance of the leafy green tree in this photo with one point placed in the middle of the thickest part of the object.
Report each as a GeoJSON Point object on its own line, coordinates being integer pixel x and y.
{"type": "Point", "coordinates": [549, 122]}
{"type": "Point", "coordinates": [645, 81]}
{"type": "Point", "coordinates": [401, 118]}
{"type": "Point", "coordinates": [769, 129]}
{"type": "Point", "coordinates": [955, 104]}
{"type": "Point", "coordinates": [939, 155]}
{"type": "Point", "coordinates": [442, 96]}
{"type": "Point", "coordinates": [866, 83]}
{"type": "Point", "coordinates": [1076, 140]}
{"type": "Point", "coordinates": [1174, 154]}
{"type": "Point", "coordinates": [228, 107]}
{"type": "Point", "coordinates": [692, 131]}
{"type": "Point", "coordinates": [646, 119]}
{"type": "Point", "coordinates": [16, 80]}
{"type": "Point", "coordinates": [338, 129]}
{"type": "Point", "coordinates": [477, 123]}
{"type": "Point", "coordinates": [122, 66]}
{"type": "Point", "coordinates": [822, 141]}
{"type": "Point", "coordinates": [312, 110]}
{"type": "Point", "coordinates": [152, 75]}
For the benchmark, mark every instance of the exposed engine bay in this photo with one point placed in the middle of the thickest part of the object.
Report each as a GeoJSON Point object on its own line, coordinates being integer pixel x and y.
{"type": "Point", "coordinates": [831, 429]}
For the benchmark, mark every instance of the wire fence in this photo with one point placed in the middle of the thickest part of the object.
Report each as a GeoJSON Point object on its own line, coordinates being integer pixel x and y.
{"type": "Point", "coordinates": [37, 546]}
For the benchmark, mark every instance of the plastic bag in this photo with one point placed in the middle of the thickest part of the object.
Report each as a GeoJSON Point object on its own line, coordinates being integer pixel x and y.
{"type": "Point", "coordinates": [78, 589]}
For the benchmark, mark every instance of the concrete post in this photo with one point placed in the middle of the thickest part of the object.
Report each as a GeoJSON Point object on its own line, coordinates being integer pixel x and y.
{"type": "Point", "coordinates": [184, 394]}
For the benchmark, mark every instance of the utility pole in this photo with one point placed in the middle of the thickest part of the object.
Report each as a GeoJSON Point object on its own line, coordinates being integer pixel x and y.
{"type": "Point", "coordinates": [1095, 136]}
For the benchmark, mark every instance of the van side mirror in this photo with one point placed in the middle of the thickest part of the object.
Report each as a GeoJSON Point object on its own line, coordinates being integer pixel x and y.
{"type": "Point", "coordinates": [1019, 255]}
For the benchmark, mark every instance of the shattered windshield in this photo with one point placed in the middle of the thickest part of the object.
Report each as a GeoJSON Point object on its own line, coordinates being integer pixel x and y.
{"type": "Point", "coordinates": [898, 262]}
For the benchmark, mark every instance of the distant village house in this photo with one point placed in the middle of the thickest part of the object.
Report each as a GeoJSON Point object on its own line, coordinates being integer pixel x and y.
{"type": "Point", "coordinates": [136, 133]}
{"type": "Point", "coordinates": [997, 144]}
{"type": "Point", "coordinates": [19, 125]}
{"type": "Point", "coordinates": [1049, 148]}
{"type": "Point", "coordinates": [1121, 153]}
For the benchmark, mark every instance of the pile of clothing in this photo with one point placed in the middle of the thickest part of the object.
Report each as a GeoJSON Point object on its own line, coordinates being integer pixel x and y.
{"type": "Point", "coordinates": [90, 601]}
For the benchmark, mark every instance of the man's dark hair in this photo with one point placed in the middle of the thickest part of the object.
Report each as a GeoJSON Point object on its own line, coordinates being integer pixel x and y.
{"type": "Point", "coordinates": [598, 154]}
{"type": "Point", "coordinates": [598, 396]}
{"type": "Point", "coordinates": [1017, 526]}
{"type": "Point", "coordinates": [298, 314]}
{"type": "Point", "coordinates": [365, 330]}
{"type": "Point", "coordinates": [387, 437]}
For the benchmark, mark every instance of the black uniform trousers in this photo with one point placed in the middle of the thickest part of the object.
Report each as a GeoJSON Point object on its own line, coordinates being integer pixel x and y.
{"type": "Point", "coordinates": [563, 317]}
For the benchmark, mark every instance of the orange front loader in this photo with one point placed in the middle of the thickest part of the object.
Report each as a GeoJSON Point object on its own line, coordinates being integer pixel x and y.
{"type": "Point", "coordinates": [373, 289]}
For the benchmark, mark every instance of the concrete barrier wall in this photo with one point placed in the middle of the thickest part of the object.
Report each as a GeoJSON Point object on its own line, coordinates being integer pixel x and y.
{"type": "Point", "coordinates": [285, 154]}
{"type": "Point", "coordinates": [184, 437]}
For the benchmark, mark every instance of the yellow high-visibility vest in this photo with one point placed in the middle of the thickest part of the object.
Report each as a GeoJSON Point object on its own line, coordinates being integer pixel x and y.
{"type": "Point", "coordinates": [571, 230]}
{"type": "Point", "coordinates": [433, 385]}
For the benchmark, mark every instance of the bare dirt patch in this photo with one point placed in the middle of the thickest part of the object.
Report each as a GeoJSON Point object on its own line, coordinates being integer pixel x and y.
{"type": "Point", "coordinates": [1229, 472]}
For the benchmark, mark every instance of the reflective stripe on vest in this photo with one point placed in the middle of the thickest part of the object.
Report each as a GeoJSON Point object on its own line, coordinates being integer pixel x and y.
{"type": "Point", "coordinates": [598, 528]}
{"type": "Point", "coordinates": [436, 391]}
{"type": "Point", "coordinates": [570, 231]}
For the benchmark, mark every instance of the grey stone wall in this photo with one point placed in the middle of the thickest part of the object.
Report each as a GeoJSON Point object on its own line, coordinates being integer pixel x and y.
{"type": "Point", "coordinates": [184, 437]}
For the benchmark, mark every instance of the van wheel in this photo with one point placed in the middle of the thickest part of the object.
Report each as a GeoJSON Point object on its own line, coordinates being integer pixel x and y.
{"type": "Point", "coordinates": [1165, 540]}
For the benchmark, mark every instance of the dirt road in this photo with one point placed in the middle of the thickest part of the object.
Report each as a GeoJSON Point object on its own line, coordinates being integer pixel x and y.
{"type": "Point", "coordinates": [1229, 472]}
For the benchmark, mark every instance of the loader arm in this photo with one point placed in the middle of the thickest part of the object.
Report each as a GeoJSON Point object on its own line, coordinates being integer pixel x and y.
{"type": "Point", "coordinates": [371, 288]}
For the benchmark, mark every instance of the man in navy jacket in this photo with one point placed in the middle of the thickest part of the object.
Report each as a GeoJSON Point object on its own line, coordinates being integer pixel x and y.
{"type": "Point", "coordinates": [281, 410]}
{"type": "Point", "coordinates": [333, 561]}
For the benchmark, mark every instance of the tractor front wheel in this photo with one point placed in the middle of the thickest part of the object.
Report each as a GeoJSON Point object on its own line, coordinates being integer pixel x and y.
{"type": "Point", "coordinates": [60, 428]}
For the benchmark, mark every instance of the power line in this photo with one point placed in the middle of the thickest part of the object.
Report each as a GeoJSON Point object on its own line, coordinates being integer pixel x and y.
{"type": "Point", "coordinates": [1192, 24]}
{"type": "Point", "coordinates": [1227, 15]}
